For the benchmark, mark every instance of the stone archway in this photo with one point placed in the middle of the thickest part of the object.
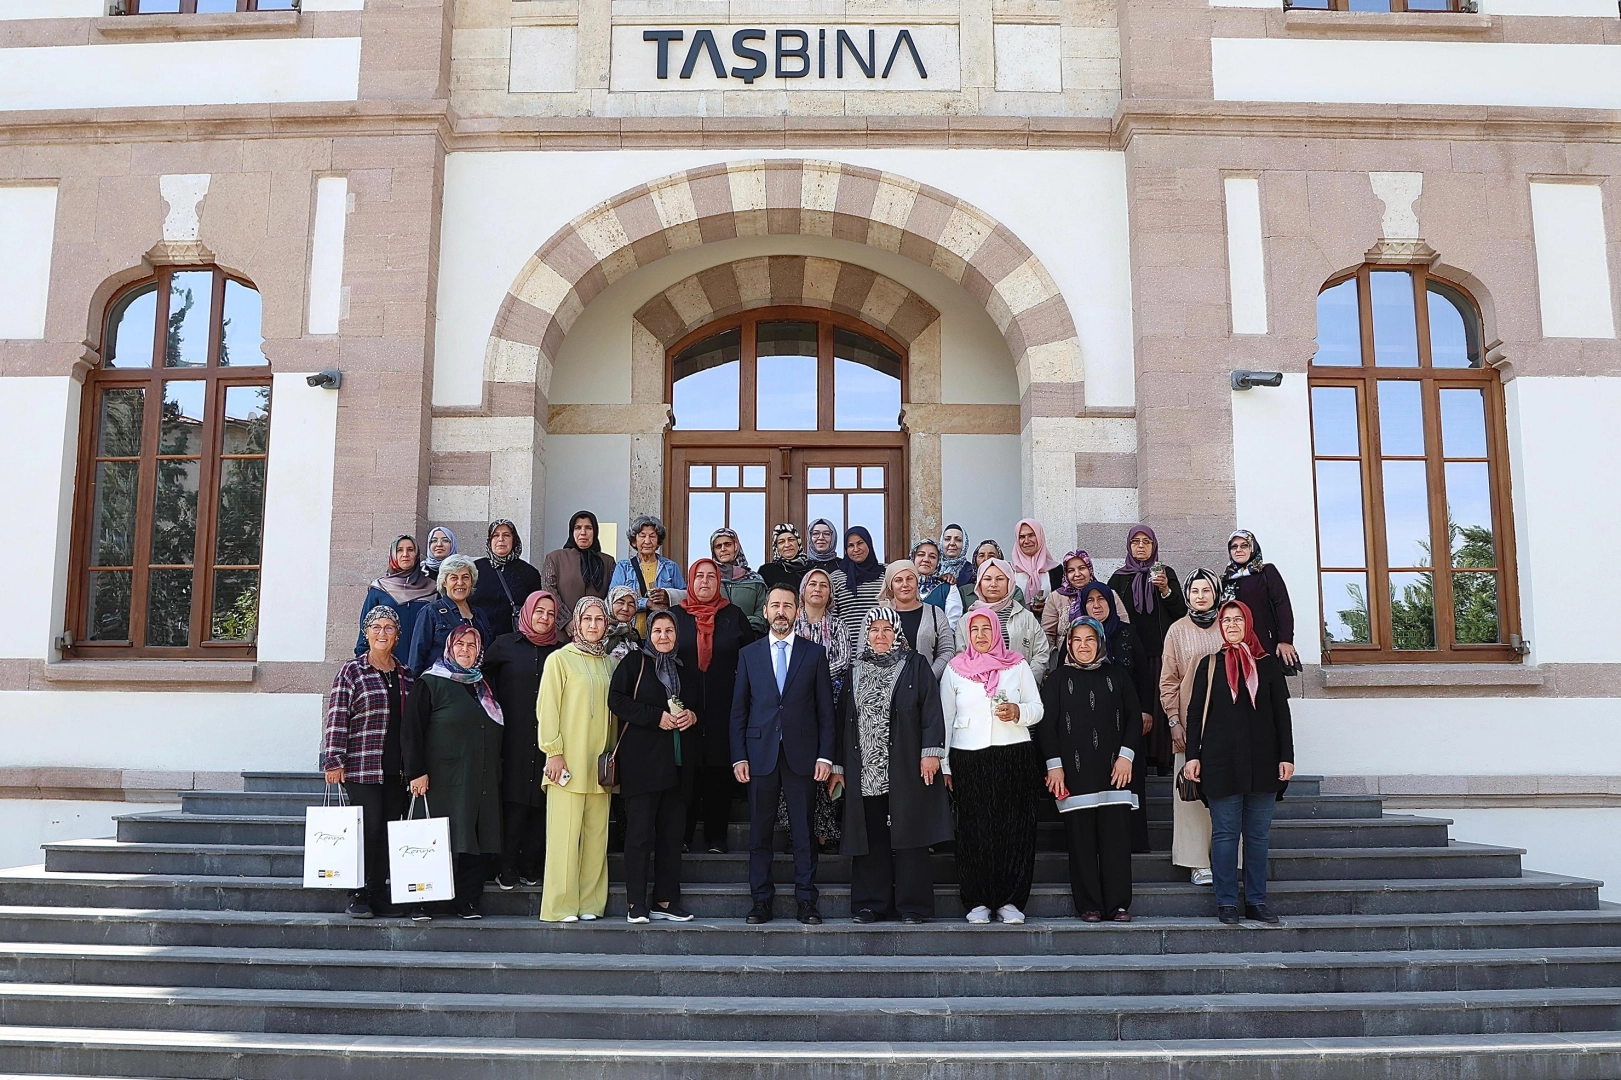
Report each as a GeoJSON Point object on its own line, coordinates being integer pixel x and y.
{"type": "Point", "coordinates": [779, 197]}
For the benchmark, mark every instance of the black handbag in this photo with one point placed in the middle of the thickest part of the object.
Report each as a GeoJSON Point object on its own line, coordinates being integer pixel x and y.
{"type": "Point", "coordinates": [1191, 790]}
{"type": "Point", "coordinates": [608, 760]}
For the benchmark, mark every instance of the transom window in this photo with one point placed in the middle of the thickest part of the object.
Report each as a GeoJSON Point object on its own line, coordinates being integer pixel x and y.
{"type": "Point", "coordinates": [204, 7]}
{"type": "Point", "coordinates": [1413, 528]}
{"type": "Point", "coordinates": [1381, 5]}
{"type": "Point", "coordinates": [170, 501]}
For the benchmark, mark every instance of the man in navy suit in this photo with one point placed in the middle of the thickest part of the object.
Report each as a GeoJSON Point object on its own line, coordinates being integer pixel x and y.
{"type": "Point", "coordinates": [782, 740]}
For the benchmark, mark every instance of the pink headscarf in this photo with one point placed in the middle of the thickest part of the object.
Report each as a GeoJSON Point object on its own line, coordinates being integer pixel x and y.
{"type": "Point", "coordinates": [1033, 567]}
{"type": "Point", "coordinates": [985, 668]}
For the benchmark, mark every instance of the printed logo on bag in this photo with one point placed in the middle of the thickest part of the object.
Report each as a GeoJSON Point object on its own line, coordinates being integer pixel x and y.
{"type": "Point", "coordinates": [413, 851]}
{"type": "Point", "coordinates": [328, 837]}
{"type": "Point", "coordinates": [417, 887]}
{"type": "Point", "coordinates": [326, 874]}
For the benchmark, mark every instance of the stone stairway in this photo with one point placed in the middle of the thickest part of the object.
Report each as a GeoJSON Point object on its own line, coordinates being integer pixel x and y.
{"type": "Point", "coordinates": [186, 947]}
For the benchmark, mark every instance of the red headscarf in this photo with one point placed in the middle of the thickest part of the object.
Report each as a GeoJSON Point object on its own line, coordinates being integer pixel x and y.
{"type": "Point", "coordinates": [985, 667]}
{"type": "Point", "coordinates": [1242, 657]}
{"type": "Point", "coordinates": [526, 618]}
{"type": "Point", "coordinates": [703, 612]}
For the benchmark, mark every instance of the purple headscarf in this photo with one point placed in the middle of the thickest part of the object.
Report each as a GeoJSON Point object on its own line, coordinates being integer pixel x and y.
{"type": "Point", "coordinates": [1143, 592]}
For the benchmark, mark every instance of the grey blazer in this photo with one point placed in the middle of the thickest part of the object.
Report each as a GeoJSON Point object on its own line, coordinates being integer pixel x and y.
{"type": "Point", "coordinates": [936, 642]}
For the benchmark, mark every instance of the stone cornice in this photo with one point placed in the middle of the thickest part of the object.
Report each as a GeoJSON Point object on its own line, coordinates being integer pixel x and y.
{"type": "Point", "coordinates": [1165, 117]}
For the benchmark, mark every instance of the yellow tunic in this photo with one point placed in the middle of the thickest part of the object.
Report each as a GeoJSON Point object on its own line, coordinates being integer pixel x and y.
{"type": "Point", "coordinates": [572, 711]}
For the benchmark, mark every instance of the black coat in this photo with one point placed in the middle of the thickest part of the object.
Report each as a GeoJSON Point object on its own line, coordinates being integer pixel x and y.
{"type": "Point", "coordinates": [1088, 718]}
{"type": "Point", "coordinates": [490, 595]}
{"type": "Point", "coordinates": [919, 813]}
{"type": "Point", "coordinates": [711, 696]}
{"type": "Point", "coordinates": [435, 620]}
{"type": "Point", "coordinates": [1268, 600]}
{"type": "Point", "coordinates": [774, 574]}
{"type": "Point", "coordinates": [512, 666]}
{"type": "Point", "coordinates": [1152, 625]}
{"type": "Point", "coordinates": [1239, 745]}
{"type": "Point", "coordinates": [646, 751]}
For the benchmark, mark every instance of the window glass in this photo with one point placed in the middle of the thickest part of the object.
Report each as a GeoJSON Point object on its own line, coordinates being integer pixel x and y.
{"type": "Point", "coordinates": [1334, 428]}
{"type": "Point", "coordinates": [1412, 611]}
{"type": "Point", "coordinates": [191, 301]}
{"type": "Point", "coordinates": [866, 384]}
{"type": "Point", "coordinates": [868, 509]}
{"type": "Point", "coordinates": [240, 526]}
{"type": "Point", "coordinates": [123, 412]}
{"type": "Point", "coordinates": [242, 336]}
{"type": "Point", "coordinates": [1339, 514]}
{"type": "Point", "coordinates": [706, 389]}
{"type": "Point", "coordinates": [1407, 513]}
{"type": "Point", "coordinates": [182, 418]}
{"type": "Point", "coordinates": [1346, 616]}
{"type": "Point", "coordinates": [1401, 419]}
{"type": "Point", "coordinates": [112, 513]}
{"type": "Point", "coordinates": [747, 519]}
{"type": "Point", "coordinates": [1395, 325]}
{"type": "Point", "coordinates": [1474, 609]}
{"type": "Point", "coordinates": [1454, 335]}
{"type": "Point", "coordinates": [247, 420]}
{"type": "Point", "coordinates": [785, 376]}
{"type": "Point", "coordinates": [107, 609]}
{"type": "Point", "coordinates": [236, 606]}
{"type": "Point", "coordinates": [1339, 328]}
{"type": "Point", "coordinates": [706, 512]}
{"type": "Point", "coordinates": [1469, 514]}
{"type": "Point", "coordinates": [133, 324]}
{"type": "Point", "coordinates": [1463, 423]}
{"type": "Point", "coordinates": [215, 6]}
{"type": "Point", "coordinates": [831, 507]}
{"type": "Point", "coordinates": [168, 609]}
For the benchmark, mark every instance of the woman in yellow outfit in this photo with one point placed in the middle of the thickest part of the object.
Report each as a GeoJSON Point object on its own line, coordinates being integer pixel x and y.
{"type": "Point", "coordinates": [573, 716]}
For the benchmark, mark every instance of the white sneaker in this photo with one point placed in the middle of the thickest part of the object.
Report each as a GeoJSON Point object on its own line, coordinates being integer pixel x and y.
{"type": "Point", "coordinates": [569, 918]}
{"type": "Point", "coordinates": [1203, 877]}
{"type": "Point", "coordinates": [980, 915]}
{"type": "Point", "coordinates": [588, 917]}
{"type": "Point", "coordinates": [1010, 915]}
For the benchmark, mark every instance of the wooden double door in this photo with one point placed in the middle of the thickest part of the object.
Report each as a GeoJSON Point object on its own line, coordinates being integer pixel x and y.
{"type": "Point", "coordinates": [753, 488]}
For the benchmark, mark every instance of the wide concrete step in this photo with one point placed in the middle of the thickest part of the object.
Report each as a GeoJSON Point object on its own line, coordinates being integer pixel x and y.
{"type": "Point", "coordinates": [754, 1018]}
{"type": "Point", "coordinates": [1286, 864]}
{"type": "Point", "coordinates": [515, 935]}
{"type": "Point", "coordinates": [35, 886]}
{"type": "Point", "coordinates": [589, 974]}
{"type": "Point", "coordinates": [1594, 1055]}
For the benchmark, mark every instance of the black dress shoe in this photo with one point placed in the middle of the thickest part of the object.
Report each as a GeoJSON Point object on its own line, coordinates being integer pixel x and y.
{"type": "Point", "coordinates": [1262, 913]}
{"type": "Point", "coordinates": [808, 913]}
{"type": "Point", "coordinates": [1228, 916]}
{"type": "Point", "coordinates": [864, 916]}
{"type": "Point", "coordinates": [910, 919]}
{"type": "Point", "coordinates": [759, 913]}
{"type": "Point", "coordinates": [358, 908]}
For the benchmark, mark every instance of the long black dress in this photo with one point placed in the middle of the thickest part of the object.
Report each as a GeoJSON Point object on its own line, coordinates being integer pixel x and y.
{"type": "Point", "coordinates": [1151, 627]}
{"type": "Point", "coordinates": [655, 777]}
{"type": "Point", "coordinates": [714, 786]}
{"type": "Point", "coordinates": [502, 589]}
{"type": "Point", "coordinates": [1090, 719]}
{"type": "Point", "coordinates": [512, 666]}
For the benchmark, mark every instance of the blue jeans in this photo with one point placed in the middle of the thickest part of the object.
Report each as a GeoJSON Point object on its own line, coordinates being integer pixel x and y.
{"type": "Point", "coordinates": [1251, 815]}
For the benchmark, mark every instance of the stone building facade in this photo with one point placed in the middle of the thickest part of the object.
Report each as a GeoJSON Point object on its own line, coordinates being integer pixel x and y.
{"type": "Point", "coordinates": [1068, 221]}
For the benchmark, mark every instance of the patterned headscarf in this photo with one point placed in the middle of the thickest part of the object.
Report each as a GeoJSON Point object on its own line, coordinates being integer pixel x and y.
{"type": "Point", "coordinates": [447, 668]}
{"type": "Point", "coordinates": [589, 648]}
{"type": "Point", "coordinates": [797, 565]}
{"type": "Point", "coordinates": [380, 613]}
{"type": "Point", "coordinates": [499, 561]}
{"type": "Point", "coordinates": [1236, 570]}
{"type": "Point", "coordinates": [427, 561]}
{"type": "Point", "coordinates": [883, 613]}
{"type": "Point", "coordinates": [1143, 591]}
{"type": "Point", "coordinates": [1202, 619]}
{"type": "Point", "coordinates": [621, 637]}
{"type": "Point", "coordinates": [1103, 644]}
{"type": "Point", "coordinates": [738, 569]}
{"type": "Point", "coordinates": [953, 567]}
{"type": "Point", "coordinates": [404, 586]}
{"type": "Point", "coordinates": [666, 665]}
{"type": "Point", "coordinates": [827, 631]}
{"type": "Point", "coordinates": [1076, 607]}
{"type": "Point", "coordinates": [926, 585]}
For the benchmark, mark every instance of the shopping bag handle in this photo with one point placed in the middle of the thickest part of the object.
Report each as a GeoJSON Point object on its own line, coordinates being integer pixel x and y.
{"type": "Point", "coordinates": [410, 811]}
{"type": "Point", "coordinates": [343, 795]}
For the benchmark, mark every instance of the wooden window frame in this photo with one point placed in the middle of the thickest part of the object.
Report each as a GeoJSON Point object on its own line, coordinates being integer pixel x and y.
{"type": "Point", "coordinates": [217, 380]}
{"type": "Point", "coordinates": [1397, 7]}
{"type": "Point", "coordinates": [788, 450]}
{"type": "Point", "coordinates": [1366, 378]}
{"type": "Point", "coordinates": [189, 7]}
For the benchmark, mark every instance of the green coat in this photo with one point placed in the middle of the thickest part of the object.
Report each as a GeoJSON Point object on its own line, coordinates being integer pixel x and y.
{"type": "Point", "coordinates": [749, 596]}
{"type": "Point", "coordinates": [448, 737]}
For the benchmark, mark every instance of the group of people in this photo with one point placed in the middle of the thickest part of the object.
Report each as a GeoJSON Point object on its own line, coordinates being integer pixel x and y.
{"type": "Point", "coordinates": [887, 709]}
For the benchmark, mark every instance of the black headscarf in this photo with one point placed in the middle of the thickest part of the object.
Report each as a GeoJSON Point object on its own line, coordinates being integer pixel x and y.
{"type": "Point", "coordinates": [1254, 566]}
{"type": "Point", "coordinates": [1114, 630]}
{"type": "Point", "coordinates": [499, 561]}
{"type": "Point", "coordinates": [869, 569]}
{"type": "Point", "coordinates": [665, 664]}
{"type": "Point", "coordinates": [1202, 619]}
{"type": "Point", "coordinates": [591, 571]}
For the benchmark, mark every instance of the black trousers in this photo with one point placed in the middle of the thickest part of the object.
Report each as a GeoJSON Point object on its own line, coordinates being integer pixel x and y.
{"type": "Point", "coordinates": [996, 824]}
{"type": "Point", "coordinates": [800, 793]}
{"type": "Point", "coordinates": [471, 873]}
{"type": "Point", "coordinates": [887, 881]}
{"type": "Point", "coordinates": [1099, 858]}
{"type": "Point", "coordinates": [654, 824]}
{"type": "Point", "coordinates": [1139, 816]}
{"type": "Point", "coordinates": [380, 804]}
{"type": "Point", "coordinates": [711, 803]}
{"type": "Point", "coordinates": [523, 840]}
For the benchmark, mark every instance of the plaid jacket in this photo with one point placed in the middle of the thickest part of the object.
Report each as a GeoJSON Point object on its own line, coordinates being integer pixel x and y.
{"type": "Point", "coordinates": [357, 720]}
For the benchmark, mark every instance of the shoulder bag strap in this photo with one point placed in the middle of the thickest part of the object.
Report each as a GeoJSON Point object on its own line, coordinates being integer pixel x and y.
{"type": "Point", "coordinates": [1209, 685]}
{"type": "Point", "coordinates": [617, 740]}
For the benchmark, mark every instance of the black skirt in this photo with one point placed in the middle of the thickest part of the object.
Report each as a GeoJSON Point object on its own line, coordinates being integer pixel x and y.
{"type": "Point", "coordinates": [996, 824]}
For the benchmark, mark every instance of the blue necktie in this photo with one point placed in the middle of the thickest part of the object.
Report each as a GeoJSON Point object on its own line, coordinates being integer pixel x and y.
{"type": "Point", "coordinates": [781, 665]}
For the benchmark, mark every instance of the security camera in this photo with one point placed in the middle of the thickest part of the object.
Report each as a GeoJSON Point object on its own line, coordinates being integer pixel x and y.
{"type": "Point", "coordinates": [1247, 380]}
{"type": "Point", "coordinates": [331, 378]}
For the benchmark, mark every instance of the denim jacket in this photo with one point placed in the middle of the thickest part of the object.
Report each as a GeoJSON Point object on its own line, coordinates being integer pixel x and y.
{"type": "Point", "coordinates": [669, 577]}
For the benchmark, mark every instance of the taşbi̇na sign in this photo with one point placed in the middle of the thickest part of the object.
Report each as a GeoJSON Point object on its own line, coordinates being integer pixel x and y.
{"type": "Point", "coordinates": [791, 55]}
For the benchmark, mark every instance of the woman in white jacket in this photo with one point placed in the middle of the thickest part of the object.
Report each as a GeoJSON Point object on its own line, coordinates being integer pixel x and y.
{"type": "Point", "coordinates": [990, 700]}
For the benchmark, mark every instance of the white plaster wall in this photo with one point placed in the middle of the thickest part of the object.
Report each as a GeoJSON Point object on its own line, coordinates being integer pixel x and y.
{"type": "Point", "coordinates": [27, 234]}
{"type": "Point", "coordinates": [38, 431]}
{"type": "Point", "coordinates": [52, 9]}
{"type": "Point", "coordinates": [326, 253]}
{"type": "Point", "coordinates": [1567, 456]}
{"type": "Point", "coordinates": [298, 520]}
{"type": "Point", "coordinates": [180, 73]}
{"type": "Point", "coordinates": [1272, 472]}
{"type": "Point", "coordinates": [1246, 256]}
{"type": "Point", "coordinates": [1593, 8]}
{"type": "Point", "coordinates": [1573, 262]}
{"type": "Point", "coordinates": [1485, 736]}
{"type": "Point", "coordinates": [176, 732]}
{"type": "Point", "coordinates": [1069, 207]}
{"type": "Point", "coordinates": [25, 824]}
{"type": "Point", "coordinates": [586, 472]}
{"type": "Point", "coordinates": [593, 366]}
{"type": "Point", "coordinates": [1579, 76]}
{"type": "Point", "coordinates": [979, 484]}
{"type": "Point", "coordinates": [1557, 840]}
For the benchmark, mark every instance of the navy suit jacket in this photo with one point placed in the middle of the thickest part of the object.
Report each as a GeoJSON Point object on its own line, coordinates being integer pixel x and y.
{"type": "Point", "coordinates": [798, 722]}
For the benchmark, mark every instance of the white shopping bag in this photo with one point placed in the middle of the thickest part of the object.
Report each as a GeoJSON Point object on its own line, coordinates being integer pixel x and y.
{"type": "Point", "coordinates": [419, 863]}
{"type": "Point", "coordinates": [334, 845]}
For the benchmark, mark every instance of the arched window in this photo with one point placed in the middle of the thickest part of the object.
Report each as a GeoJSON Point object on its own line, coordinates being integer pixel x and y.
{"type": "Point", "coordinates": [169, 510]}
{"type": "Point", "coordinates": [785, 414]}
{"type": "Point", "coordinates": [1414, 533]}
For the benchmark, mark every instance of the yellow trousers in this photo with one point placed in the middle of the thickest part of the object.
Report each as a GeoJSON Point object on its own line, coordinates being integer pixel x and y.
{"type": "Point", "coordinates": [576, 855]}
